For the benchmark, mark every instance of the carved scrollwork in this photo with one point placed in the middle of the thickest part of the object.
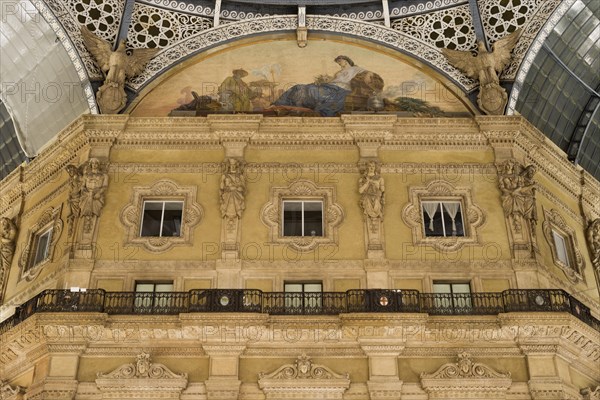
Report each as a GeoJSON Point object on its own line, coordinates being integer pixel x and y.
{"type": "Point", "coordinates": [271, 214]}
{"type": "Point", "coordinates": [303, 368]}
{"type": "Point", "coordinates": [466, 379]}
{"type": "Point", "coordinates": [142, 368]}
{"type": "Point", "coordinates": [164, 189]}
{"type": "Point", "coordinates": [303, 380]}
{"type": "Point", "coordinates": [8, 392]}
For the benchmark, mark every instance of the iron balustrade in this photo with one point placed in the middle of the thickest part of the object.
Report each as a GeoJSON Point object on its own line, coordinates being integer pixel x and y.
{"type": "Point", "coordinates": [286, 303]}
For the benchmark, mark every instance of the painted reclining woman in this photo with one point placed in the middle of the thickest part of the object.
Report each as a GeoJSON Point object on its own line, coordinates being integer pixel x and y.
{"type": "Point", "coordinates": [329, 98]}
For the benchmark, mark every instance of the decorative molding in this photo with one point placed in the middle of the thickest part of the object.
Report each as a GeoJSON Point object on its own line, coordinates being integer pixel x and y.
{"type": "Point", "coordinates": [466, 378]}
{"type": "Point", "coordinates": [49, 219]}
{"type": "Point", "coordinates": [589, 394]}
{"type": "Point", "coordinates": [164, 189]}
{"type": "Point", "coordinates": [303, 380]}
{"type": "Point", "coordinates": [302, 189]}
{"type": "Point", "coordinates": [553, 221]}
{"type": "Point", "coordinates": [473, 216]}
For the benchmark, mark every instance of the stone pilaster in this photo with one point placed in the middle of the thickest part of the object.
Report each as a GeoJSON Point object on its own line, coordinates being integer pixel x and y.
{"type": "Point", "coordinates": [383, 382]}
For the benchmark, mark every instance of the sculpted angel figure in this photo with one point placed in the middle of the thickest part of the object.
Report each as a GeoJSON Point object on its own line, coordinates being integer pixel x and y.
{"type": "Point", "coordinates": [232, 189]}
{"type": "Point", "coordinates": [117, 66]}
{"type": "Point", "coordinates": [94, 184]}
{"type": "Point", "coordinates": [371, 188]}
{"type": "Point", "coordinates": [486, 66]}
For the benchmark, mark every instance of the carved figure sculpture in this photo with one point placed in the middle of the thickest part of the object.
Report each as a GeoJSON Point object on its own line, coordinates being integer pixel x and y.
{"type": "Point", "coordinates": [518, 193]}
{"type": "Point", "coordinates": [117, 65]}
{"type": "Point", "coordinates": [75, 181]}
{"type": "Point", "coordinates": [233, 190]}
{"type": "Point", "coordinates": [485, 67]}
{"type": "Point", "coordinates": [371, 188]}
{"type": "Point", "coordinates": [8, 233]}
{"type": "Point", "coordinates": [593, 234]}
{"type": "Point", "coordinates": [94, 184]}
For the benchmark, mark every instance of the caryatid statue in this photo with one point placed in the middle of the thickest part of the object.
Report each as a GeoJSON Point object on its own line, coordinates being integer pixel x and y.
{"type": "Point", "coordinates": [371, 188]}
{"type": "Point", "coordinates": [93, 187]}
{"type": "Point", "coordinates": [232, 190]}
{"type": "Point", "coordinates": [486, 66]}
{"type": "Point", "coordinates": [117, 66]}
{"type": "Point", "coordinates": [8, 234]}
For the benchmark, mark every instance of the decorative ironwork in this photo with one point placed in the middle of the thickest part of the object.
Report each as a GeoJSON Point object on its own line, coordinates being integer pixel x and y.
{"type": "Point", "coordinates": [318, 303]}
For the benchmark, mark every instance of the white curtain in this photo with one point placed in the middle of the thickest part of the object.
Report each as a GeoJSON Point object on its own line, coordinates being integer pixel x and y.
{"type": "Point", "coordinates": [452, 209]}
{"type": "Point", "coordinates": [430, 209]}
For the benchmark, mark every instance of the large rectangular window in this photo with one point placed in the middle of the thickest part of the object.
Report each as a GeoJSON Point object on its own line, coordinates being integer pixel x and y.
{"type": "Point", "coordinates": [302, 218]}
{"type": "Point", "coordinates": [161, 218]}
{"type": "Point", "coordinates": [452, 295]}
{"type": "Point", "coordinates": [442, 218]}
{"type": "Point", "coordinates": [304, 297]}
{"type": "Point", "coordinates": [152, 295]}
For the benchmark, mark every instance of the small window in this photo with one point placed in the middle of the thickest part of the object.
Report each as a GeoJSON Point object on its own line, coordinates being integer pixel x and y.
{"type": "Point", "coordinates": [442, 218]}
{"type": "Point", "coordinates": [562, 252]}
{"type": "Point", "coordinates": [303, 297]}
{"type": "Point", "coordinates": [41, 243]}
{"type": "Point", "coordinates": [302, 218]}
{"type": "Point", "coordinates": [162, 218]}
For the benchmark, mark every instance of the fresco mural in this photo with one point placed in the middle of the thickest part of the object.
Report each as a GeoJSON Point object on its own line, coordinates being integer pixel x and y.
{"type": "Point", "coordinates": [277, 78]}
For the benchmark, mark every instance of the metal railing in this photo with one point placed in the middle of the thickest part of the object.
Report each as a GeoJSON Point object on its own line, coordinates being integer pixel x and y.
{"type": "Point", "coordinates": [285, 303]}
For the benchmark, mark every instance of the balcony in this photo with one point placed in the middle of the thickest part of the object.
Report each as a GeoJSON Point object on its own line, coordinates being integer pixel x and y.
{"type": "Point", "coordinates": [283, 303]}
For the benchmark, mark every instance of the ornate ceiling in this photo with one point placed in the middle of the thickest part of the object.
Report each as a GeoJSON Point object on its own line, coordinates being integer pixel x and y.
{"type": "Point", "coordinates": [552, 80]}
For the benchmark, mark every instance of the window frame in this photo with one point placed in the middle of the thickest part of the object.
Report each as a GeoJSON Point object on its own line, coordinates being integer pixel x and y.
{"type": "Point", "coordinates": [271, 214]}
{"type": "Point", "coordinates": [47, 230]}
{"type": "Point", "coordinates": [156, 301]}
{"type": "Point", "coordinates": [440, 202]}
{"type": "Point", "coordinates": [302, 201]}
{"type": "Point", "coordinates": [553, 224]}
{"type": "Point", "coordinates": [49, 221]}
{"type": "Point", "coordinates": [164, 190]}
{"type": "Point", "coordinates": [473, 217]}
{"type": "Point", "coordinates": [162, 218]}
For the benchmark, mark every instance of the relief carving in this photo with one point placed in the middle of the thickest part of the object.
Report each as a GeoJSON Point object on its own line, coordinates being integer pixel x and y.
{"type": "Point", "coordinates": [303, 380]}
{"type": "Point", "coordinates": [142, 368]}
{"type": "Point", "coordinates": [589, 394]}
{"type": "Point", "coordinates": [466, 378]}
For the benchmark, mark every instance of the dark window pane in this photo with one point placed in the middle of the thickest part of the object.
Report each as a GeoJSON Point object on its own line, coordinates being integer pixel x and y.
{"type": "Point", "coordinates": [172, 219]}
{"type": "Point", "coordinates": [292, 218]}
{"type": "Point", "coordinates": [313, 219]}
{"type": "Point", "coordinates": [41, 250]}
{"type": "Point", "coordinates": [432, 229]}
{"type": "Point", "coordinates": [455, 229]}
{"type": "Point", "coordinates": [151, 218]}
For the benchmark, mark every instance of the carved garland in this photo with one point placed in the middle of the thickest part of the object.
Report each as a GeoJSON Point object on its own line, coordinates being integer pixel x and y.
{"type": "Point", "coordinates": [333, 214]}
{"type": "Point", "coordinates": [165, 189]}
{"type": "Point", "coordinates": [553, 221]}
{"type": "Point", "coordinates": [473, 216]}
{"type": "Point", "coordinates": [49, 219]}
